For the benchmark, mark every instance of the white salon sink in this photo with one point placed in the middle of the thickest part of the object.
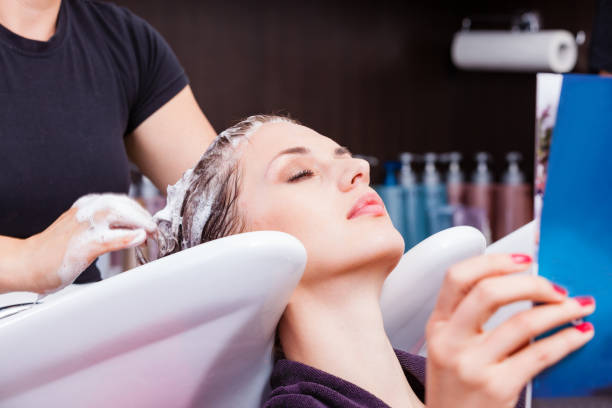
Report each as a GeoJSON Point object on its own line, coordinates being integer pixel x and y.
{"type": "Point", "coordinates": [193, 329]}
{"type": "Point", "coordinates": [166, 334]}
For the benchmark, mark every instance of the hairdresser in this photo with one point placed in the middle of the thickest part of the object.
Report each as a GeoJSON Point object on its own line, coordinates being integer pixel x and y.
{"type": "Point", "coordinates": [85, 86]}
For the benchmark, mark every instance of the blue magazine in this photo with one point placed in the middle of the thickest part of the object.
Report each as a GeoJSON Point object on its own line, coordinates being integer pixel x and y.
{"type": "Point", "coordinates": [573, 205]}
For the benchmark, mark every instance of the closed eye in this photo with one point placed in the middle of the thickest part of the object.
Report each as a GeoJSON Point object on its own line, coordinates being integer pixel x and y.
{"type": "Point", "coordinates": [300, 175]}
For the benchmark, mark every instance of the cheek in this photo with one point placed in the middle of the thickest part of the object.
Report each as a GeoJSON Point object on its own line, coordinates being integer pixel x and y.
{"type": "Point", "coordinates": [307, 220]}
{"type": "Point", "coordinates": [286, 215]}
{"type": "Point", "coordinates": [261, 215]}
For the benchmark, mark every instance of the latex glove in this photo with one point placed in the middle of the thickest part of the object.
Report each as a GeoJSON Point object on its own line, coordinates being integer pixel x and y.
{"type": "Point", "coordinates": [94, 225]}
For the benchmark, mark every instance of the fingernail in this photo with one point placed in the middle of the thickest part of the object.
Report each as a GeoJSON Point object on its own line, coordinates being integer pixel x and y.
{"type": "Point", "coordinates": [585, 327]}
{"type": "Point", "coordinates": [559, 289]}
{"type": "Point", "coordinates": [521, 258]}
{"type": "Point", "coordinates": [585, 300]}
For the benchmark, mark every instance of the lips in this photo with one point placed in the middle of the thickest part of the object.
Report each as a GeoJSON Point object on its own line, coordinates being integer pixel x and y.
{"type": "Point", "coordinates": [368, 204]}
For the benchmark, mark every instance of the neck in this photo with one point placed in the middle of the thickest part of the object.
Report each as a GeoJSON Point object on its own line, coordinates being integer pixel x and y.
{"type": "Point", "coordinates": [32, 19]}
{"type": "Point", "coordinates": [337, 327]}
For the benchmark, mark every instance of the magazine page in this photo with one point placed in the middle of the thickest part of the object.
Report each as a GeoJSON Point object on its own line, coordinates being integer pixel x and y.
{"type": "Point", "coordinates": [573, 202]}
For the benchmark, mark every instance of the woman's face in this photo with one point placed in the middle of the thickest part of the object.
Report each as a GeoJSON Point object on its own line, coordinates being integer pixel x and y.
{"type": "Point", "coordinates": [297, 181]}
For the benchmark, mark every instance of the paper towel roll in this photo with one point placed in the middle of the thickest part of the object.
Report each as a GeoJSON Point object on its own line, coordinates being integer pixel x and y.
{"type": "Point", "coordinates": [553, 50]}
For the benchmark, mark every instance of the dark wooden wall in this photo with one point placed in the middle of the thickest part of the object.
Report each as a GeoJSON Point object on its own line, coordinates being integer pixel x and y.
{"type": "Point", "coordinates": [376, 76]}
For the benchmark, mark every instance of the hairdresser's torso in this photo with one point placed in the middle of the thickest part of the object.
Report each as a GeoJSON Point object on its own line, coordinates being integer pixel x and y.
{"type": "Point", "coordinates": [66, 105]}
{"type": "Point", "coordinates": [65, 110]}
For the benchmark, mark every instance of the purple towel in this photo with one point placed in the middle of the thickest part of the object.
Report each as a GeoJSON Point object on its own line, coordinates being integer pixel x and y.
{"type": "Point", "coordinates": [297, 385]}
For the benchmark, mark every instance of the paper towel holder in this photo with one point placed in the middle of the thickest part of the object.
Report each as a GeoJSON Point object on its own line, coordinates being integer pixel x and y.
{"type": "Point", "coordinates": [514, 43]}
{"type": "Point", "coordinates": [528, 21]}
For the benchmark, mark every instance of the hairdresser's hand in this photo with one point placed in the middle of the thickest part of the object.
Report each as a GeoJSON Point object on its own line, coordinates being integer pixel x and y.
{"type": "Point", "coordinates": [469, 367]}
{"type": "Point", "coordinates": [96, 224]}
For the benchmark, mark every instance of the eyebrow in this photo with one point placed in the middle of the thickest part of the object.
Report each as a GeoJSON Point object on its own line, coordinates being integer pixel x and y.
{"type": "Point", "coordinates": [338, 151]}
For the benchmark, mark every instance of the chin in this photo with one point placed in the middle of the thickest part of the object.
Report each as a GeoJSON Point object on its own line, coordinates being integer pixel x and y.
{"type": "Point", "coordinates": [390, 246]}
{"type": "Point", "coordinates": [376, 246]}
{"type": "Point", "coordinates": [382, 247]}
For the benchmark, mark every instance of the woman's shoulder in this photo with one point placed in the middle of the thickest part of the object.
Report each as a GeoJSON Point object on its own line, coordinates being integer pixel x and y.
{"type": "Point", "coordinates": [414, 369]}
{"type": "Point", "coordinates": [297, 384]}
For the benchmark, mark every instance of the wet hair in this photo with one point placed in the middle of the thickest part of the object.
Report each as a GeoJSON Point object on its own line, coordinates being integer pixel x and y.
{"type": "Point", "coordinates": [201, 206]}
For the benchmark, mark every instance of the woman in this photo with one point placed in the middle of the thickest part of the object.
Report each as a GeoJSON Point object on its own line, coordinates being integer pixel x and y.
{"type": "Point", "coordinates": [270, 173]}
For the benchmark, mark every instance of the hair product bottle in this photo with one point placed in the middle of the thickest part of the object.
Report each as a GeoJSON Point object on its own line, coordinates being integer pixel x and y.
{"type": "Point", "coordinates": [391, 194]}
{"type": "Point", "coordinates": [454, 179]}
{"type": "Point", "coordinates": [479, 193]}
{"type": "Point", "coordinates": [435, 194]}
{"type": "Point", "coordinates": [514, 204]}
{"type": "Point", "coordinates": [415, 216]}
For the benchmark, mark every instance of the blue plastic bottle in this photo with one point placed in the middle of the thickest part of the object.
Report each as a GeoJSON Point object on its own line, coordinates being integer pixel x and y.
{"type": "Point", "coordinates": [391, 194]}
{"type": "Point", "coordinates": [436, 197]}
{"type": "Point", "coordinates": [415, 216]}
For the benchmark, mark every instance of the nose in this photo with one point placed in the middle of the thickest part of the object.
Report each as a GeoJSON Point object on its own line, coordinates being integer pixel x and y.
{"type": "Point", "coordinates": [355, 172]}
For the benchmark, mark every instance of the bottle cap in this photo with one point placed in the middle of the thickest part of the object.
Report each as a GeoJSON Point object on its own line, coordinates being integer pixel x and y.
{"type": "Point", "coordinates": [407, 177]}
{"type": "Point", "coordinates": [482, 174]}
{"type": "Point", "coordinates": [454, 174]}
{"type": "Point", "coordinates": [430, 176]}
{"type": "Point", "coordinates": [513, 174]}
{"type": "Point", "coordinates": [390, 168]}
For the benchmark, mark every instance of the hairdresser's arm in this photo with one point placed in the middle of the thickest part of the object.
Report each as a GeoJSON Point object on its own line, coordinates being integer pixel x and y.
{"type": "Point", "coordinates": [52, 259]}
{"type": "Point", "coordinates": [469, 367]}
{"type": "Point", "coordinates": [14, 274]}
{"type": "Point", "coordinates": [30, 264]}
{"type": "Point", "coordinates": [171, 140]}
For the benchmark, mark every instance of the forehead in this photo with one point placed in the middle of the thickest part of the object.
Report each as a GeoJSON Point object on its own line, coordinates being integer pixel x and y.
{"type": "Point", "coordinates": [271, 138]}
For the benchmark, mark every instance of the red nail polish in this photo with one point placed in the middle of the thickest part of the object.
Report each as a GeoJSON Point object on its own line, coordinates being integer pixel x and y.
{"type": "Point", "coordinates": [559, 289]}
{"type": "Point", "coordinates": [585, 300]}
{"type": "Point", "coordinates": [521, 258]}
{"type": "Point", "coordinates": [585, 327]}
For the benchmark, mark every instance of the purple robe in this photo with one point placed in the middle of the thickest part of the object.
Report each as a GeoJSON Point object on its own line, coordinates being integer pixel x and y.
{"type": "Point", "coordinates": [297, 385]}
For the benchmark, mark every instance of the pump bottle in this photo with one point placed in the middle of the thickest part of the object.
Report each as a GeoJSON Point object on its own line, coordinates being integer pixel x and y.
{"type": "Point", "coordinates": [514, 203]}
{"type": "Point", "coordinates": [435, 193]}
{"type": "Point", "coordinates": [415, 216]}
{"type": "Point", "coordinates": [479, 192]}
{"type": "Point", "coordinates": [391, 194]}
{"type": "Point", "coordinates": [454, 179]}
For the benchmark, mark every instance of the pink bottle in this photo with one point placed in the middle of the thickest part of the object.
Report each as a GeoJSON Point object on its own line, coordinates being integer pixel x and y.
{"type": "Point", "coordinates": [514, 199]}
{"type": "Point", "coordinates": [479, 193]}
{"type": "Point", "coordinates": [455, 187]}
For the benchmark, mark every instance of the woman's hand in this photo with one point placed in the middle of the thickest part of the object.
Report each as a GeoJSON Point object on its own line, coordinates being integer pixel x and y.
{"type": "Point", "coordinates": [94, 225]}
{"type": "Point", "coordinates": [469, 367]}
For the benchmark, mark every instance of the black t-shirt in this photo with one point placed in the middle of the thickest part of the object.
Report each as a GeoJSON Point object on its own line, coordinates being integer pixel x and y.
{"type": "Point", "coordinates": [601, 43]}
{"type": "Point", "coordinates": [66, 105]}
